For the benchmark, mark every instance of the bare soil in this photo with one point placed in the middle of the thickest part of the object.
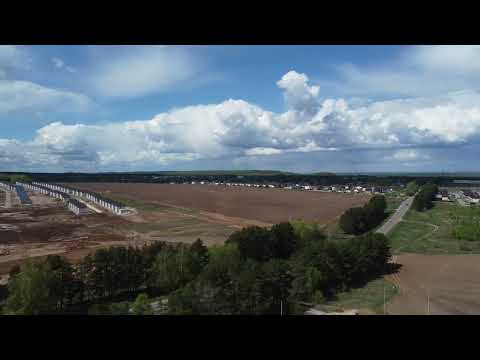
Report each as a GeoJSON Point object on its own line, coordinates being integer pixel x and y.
{"type": "Point", "coordinates": [41, 230]}
{"type": "Point", "coordinates": [264, 205]}
{"type": "Point", "coordinates": [450, 283]}
{"type": "Point", "coordinates": [172, 213]}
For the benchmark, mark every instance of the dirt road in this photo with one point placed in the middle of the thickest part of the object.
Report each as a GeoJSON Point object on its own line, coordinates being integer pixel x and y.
{"type": "Point", "coordinates": [396, 217]}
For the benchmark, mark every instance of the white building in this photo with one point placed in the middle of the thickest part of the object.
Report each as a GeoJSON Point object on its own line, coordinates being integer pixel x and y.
{"type": "Point", "coordinates": [77, 207]}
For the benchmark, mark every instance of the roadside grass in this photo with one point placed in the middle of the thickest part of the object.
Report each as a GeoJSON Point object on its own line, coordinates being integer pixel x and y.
{"type": "Point", "coordinates": [393, 202]}
{"type": "Point", "coordinates": [367, 299]}
{"type": "Point", "coordinates": [431, 232]}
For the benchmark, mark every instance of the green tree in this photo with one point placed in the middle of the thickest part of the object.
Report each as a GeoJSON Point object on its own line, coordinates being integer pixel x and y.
{"type": "Point", "coordinates": [218, 286]}
{"type": "Point", "coordinates": [285, 240]}
{"type": "Point", "coordinates": [353, 221]}
{"type": "Point", "coordinates": [374, 211]}
{"type": "Point", "coordinates": [424, 199]}
{"type": "Point", "coordinates": [359, 220]}
{"type": "Point", "coordinates": [254, 242]}
{"type": "Point", "coordinates": [14, 271]}
{"type": "Point", "coordinates": [30, 291]}
{"type": "Point", "coordinates": [273, 287]}
{"type": "Point", "coordinates": [62, 283]}
{"type": "Point", "coordinates": [197, 257]}
{"type": "Point", "coordinates": [170, 269]}
{"type": "Point", "coordinates": [412, 188]}
{"type": "Point", "coordinates": [184, 301]}
{"type": "Point", "coordinates": [307, 233]}
{"type": "Point", "coordinates": [364, 258]}
{"type": "Point", "coordinates": [142, 305]}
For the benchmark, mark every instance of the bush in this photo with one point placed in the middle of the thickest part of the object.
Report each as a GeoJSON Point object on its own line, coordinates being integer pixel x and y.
{"type": "Point", "coordinates": [142, 305]}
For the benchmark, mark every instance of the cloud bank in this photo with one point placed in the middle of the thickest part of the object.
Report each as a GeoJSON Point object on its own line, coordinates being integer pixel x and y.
{"type": "Point", "coordinates": [234, 131]}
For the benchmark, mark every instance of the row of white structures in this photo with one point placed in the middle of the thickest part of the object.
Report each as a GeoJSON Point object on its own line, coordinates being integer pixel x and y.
{"type": "Point", "coordinates": [73, 205]}
{"type": "Point", "coordinates": [18, 190]}
{"type": "Point", "coordinates": [44, 190]}
{"type": "Point", "coordinates": [109, 204]}
{"type": "Point", "coordinates": [7, 185]}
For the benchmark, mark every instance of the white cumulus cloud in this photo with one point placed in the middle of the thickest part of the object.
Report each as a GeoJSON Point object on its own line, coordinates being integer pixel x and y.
{"type": "Point", "coordinates": [236, 129]}
{"type": "Point", "coordinates": [298, 94]}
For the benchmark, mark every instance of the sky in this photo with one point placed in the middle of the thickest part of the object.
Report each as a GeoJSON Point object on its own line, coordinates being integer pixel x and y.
{"type": "Point", "coordinates": [293, 108]}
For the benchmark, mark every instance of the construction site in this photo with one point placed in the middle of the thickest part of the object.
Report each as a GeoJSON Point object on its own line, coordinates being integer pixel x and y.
{"type": "Point", "coordinates": [41, 219]}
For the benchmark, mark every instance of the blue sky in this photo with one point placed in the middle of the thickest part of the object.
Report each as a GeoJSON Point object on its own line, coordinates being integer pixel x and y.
{"type": "Point", "coordinates": [298, 108]}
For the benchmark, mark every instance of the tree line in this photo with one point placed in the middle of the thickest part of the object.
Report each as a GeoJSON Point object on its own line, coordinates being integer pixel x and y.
{"type": "Point", "coordinates": [53, 285]}
{"type": "Point", "coordinates": [286, 267]}
{"type": "Point", "coordinates": [316, 179]}
{"type": "Point", "coordinates": [258, 271]}
{"type": "Point", "coordinates": [359, 220]}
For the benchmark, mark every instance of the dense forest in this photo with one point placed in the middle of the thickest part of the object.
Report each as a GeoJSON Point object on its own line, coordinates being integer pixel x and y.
{"type": "Point", "coordinates": [258, 271]}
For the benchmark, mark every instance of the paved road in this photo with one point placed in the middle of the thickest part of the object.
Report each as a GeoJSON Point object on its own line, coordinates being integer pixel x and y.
{"type": "Point", "coordinates": [396, 217]}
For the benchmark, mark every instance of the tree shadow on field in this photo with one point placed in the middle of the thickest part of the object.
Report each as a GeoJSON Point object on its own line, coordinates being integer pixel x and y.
{"type": "Point", "coordinates": [392, 268]}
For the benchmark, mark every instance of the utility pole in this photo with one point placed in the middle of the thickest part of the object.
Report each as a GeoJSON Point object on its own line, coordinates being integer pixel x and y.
{"type": "Point", "coordinates": [428, 302]}
{"type": "Point", "coordinates": [181, 260]}
{"type": "Point", "coordinates": [384, 299]}
{"type": "Point", "coordinates": [281, 307]}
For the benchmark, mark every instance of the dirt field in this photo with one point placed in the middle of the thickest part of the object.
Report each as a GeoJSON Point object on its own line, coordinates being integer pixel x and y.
{"type": "Point", "coordinates": [51, 229]}
{"type": "Point", "coordinates": [48, 227]}
{"type": "Point", "coordinates": [264, 205]}
{"type": "Point", "coordinates": [173, 213]}
{"type": "Point", "coordinates": [452, 282]}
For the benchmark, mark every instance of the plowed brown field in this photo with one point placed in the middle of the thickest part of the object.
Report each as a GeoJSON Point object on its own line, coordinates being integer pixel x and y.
{"type": "Point", "coordinates": [437, 284]}
{"type": "Point", "coordinates": [266, 205]}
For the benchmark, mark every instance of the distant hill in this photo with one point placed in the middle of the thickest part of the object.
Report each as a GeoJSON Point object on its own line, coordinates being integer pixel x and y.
{"type": "Point", "coordinates": [466, 174]}
{"type": "Point", "coordinates": [324, 173]}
